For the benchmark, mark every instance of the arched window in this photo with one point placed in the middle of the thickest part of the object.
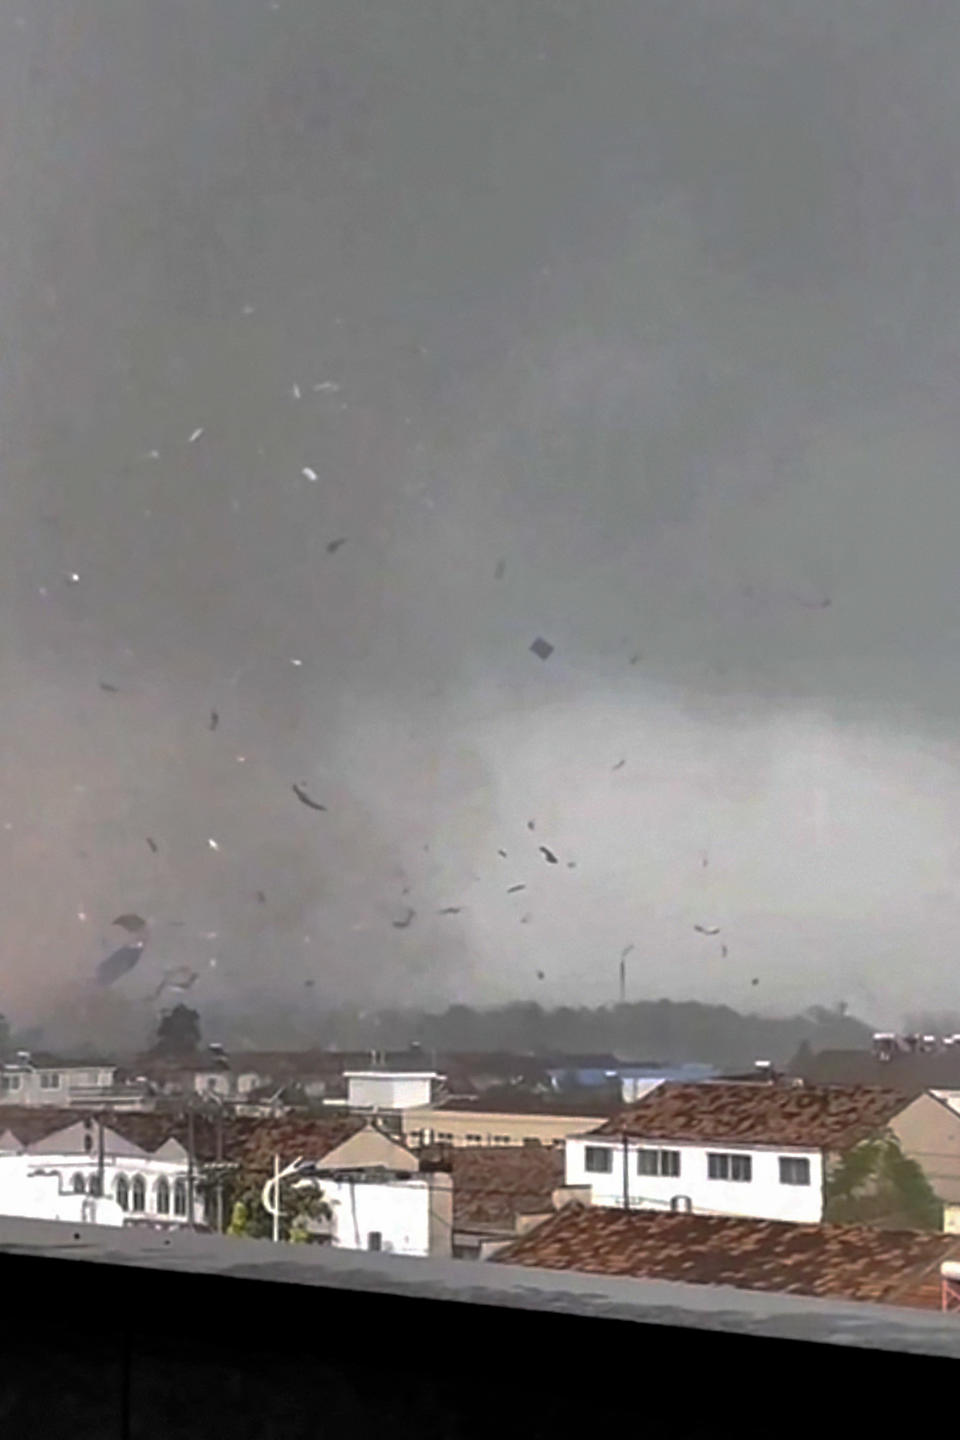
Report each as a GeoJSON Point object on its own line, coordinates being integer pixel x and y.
{"type": "Point", "coordinates": [79, 1184]}
{"type": "Point", "coordinates": [122, 1192]}
{"type": "Point", "coordinates": [93, 1184]}
{"type": "Point", "coordinates": [138, 1193]}
{"type": "Point", "coordinates": [163, 1196]}
{"type": "Point", "coordinates": [180, 1196]}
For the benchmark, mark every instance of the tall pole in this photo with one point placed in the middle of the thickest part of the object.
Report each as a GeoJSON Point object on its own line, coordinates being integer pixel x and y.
{"type": "Point", "coordinates": [626, 1173]}
{"type": "Point", "coordinates": [276, 1199]}
{"type": "Point", "coordinates": [191, 1140]}
{"type": "Point", "coordinates": [101, 1156]}
{"type": "Point", "coordinates": [220, 1169]}
{"type": "Point", "coordinates": [623, 981]}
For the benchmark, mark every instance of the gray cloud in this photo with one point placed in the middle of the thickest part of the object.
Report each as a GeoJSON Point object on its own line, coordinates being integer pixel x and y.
{"type": "Point", "coordinates": [654, 303]}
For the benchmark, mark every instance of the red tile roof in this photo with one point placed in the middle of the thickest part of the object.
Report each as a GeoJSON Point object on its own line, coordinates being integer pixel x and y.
{"type": "Point", "coordinates": [247, 1141]}
{"type": "Point", "coordinates": [855, 1262]}
{"type": "Point", "coordinates": [493, 1184]}
{"type": "Point", "coordinates": [830, 1117]}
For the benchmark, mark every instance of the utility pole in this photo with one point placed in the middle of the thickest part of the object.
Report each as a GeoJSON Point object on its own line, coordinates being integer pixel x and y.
{"type": "Point", "coordinates": [623, 981]}
{"type": "Point", "coordinates": [191, 1141]}
{"type": "Point", "coordinates": [101, 1156]}
{"type": "Point", "coordinates": [626, 1172]}
{"type": "Point", "coordinates": [220, 1170]}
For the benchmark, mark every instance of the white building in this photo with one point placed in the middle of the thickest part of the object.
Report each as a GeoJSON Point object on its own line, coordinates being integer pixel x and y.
{"type": "Point", "coordinates": [725, 1148]}
{"type": "Point", "coordinates": [391, 1089]}
{"type": "Point", "coordinates": [56, 1172]}
{"type": "Point", "coordinates": [382, 1201]}
{"type": "Point", "coordinates": [24, 1082]}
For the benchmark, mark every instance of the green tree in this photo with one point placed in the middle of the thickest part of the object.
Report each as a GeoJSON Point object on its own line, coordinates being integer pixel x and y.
{"type": "Point", "coordinates": [178, 1033]}
{"type": "Point", "coordinates": [876, 1184]}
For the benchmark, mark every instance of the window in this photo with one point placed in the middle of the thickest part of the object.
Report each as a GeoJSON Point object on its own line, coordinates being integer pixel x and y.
{"type": "Point", "coordinates": [501, 1139]}
{"type": "Point", "coordinates": [658, 1162]}
{"type": "Point", "coordinates": [49, 1080]}
{"type": "Point", "coordinates": [598, 1160]}
{"type": "Point", "coordinates": [474, 1139]}
{"type": "Point", "coordinates": [122, 1192]}
{"type": "Point", "coordinates": [78, 1184]}
{"type": "Point", "coordinates": [794, 1170]}
{"type": "Point", "coordinates": [9, 1082]}
{"type": "Point", "coordinates": [445, 1137]}
{"type": "Point", "coordinates": [180, 1196]}
{"type": "Point", "coordinates": [163, 1196]}
{"type": "Point", "coordinates": [93, 1185]}
{"type": "Point", "coordinates": [730, 1167]}
{"type": "Point", "coordinates": [375, 1240]}
{"type": "Point", "coordinates": [138, 1193]}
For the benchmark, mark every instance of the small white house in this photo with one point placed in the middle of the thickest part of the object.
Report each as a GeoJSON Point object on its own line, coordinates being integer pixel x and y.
{"type": "Point", "coordinates": [382, 1201]}
{"type": "Point", "coordinates": [24, 1083]}
{"type": "Point", "coordinates": [750, 1148]}
{"type": "Point", "coordinates": [390, 1089]}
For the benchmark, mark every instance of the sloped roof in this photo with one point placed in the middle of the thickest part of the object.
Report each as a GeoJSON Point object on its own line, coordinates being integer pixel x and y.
{"type": "Point", "coordinates": [248, 1141]}
{"type": "Point", "coordinates": [855, 1262]}
{"type": "Point", "coordinates": [905, 1072]}
{"type": "Point", "coordinates": [370, 1148]}
{"type": "Point", "coordinates": [493, 1184]}
{"type": "Point", "coordinates": [815, 1116]}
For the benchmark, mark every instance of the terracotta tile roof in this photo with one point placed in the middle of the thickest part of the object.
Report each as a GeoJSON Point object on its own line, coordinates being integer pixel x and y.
{"type": "Point", "coordinates": [818, 1116]}
{"type": "Point", "coordinates": [853, 1262]}
{"type": "Point", "coordinates": [248, 1141]}
{"type": "Point", "coordinates": [493, 1184]}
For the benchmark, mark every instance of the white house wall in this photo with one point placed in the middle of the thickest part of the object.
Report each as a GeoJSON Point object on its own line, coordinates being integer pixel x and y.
{"type": "Point", "coordinates": [398, 1210]}
{"type": "Point", "coordinates": [63, 1166]}
{"type": "Point", "coordinates": [389, 1091]}
{"type": "Point", "coordinates": [762, 1197]}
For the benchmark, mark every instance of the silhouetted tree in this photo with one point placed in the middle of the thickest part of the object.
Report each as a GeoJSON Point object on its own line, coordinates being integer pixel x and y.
{"type": "Point", "coordinates": [178, 1033]}
{"type": "Point", "coordinates": [876, 1184]}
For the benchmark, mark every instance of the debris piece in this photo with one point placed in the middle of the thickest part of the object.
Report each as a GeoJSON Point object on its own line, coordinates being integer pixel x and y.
{"type": "Point", "coordinates": [120, 963]}
{"type": "Point", "coordinates": [261, 897]}
{"type": "Point", "coordinates": [503, 853]}
{"type": "Point", "coordinates": [402, 924]}
{"type": "Point", "coordinates": [108, 688]}
{"type": "Point", "coordinates": [501, 570]}
{"type": "Point", "coordinates": [548, 855]}
{"type": "Point", "coordinates": [531, 824]}
{"type": "Point", "coordinates": [73, 578]}
{"type": "Point", "coordinates": [309, 984]}
{"type": "Point", "coordinates": [334, 545]}
{"type": "Point", "coordinates": [213, 844]}
{"type": "Point", "coordinates": [192, 440]}
{"type": "Point", "coordinates": [327, 385]}
{"type": "Point", "coordinates": [754, 981]}
{"type": "Point", "coordinates": [707, 929]}
{"type": "Point", "coordinates": [130, 922]}
{"type": "Point", "coordinates": [620, 764]}
{"type": "Point", "coordinates": [542, 648]}
{"type": "Point", "coordinates": [723, 952]}
{"type": "Point", "coordinates": [514, 888]}
{"type": "Point", "coordinates": [450, 910]}
{"type": "Point", "coordinates": [214, 719]}
{"type": "Point", "coordinates": [540, 975]}
{"type": "Point", "coordinates": [295, 662]}
{"type": "Point", "coordinates": [306, 799]}
{"type": "Point", "coordinates": [297, 392]}
{"type": "Point", "coordinates": [309, 474]}
{"type": "Point", "coordinates": [153, 844]}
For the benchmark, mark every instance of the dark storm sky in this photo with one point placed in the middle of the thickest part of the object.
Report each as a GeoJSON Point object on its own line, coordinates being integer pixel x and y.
{"type": "Point", "coordinates": [655, 303]}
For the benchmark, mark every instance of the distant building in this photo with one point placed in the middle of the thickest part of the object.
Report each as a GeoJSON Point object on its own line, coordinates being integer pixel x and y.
{"type": "Point", "coordinates": [488, 1120]}
{"type": "Point", "coordinates": [391, 1089]}
{"type": "Point", "coordinates": [382, 1201]}
{"type": "Point", "coordinates": [850, 1262]}
{"type": "Point", "coordinates": [35, 1080]}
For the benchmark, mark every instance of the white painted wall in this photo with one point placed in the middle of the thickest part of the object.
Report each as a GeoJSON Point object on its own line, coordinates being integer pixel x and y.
{"type": "Point", "coordinates": [389, 1090]}
{"type": "Point", "coordinates": [763, 1197]}
{"type": "Point", "coordinates": [398, 1209]}
{"type": "Point", "coordinates": [35, 1196]}
{"type": "Point", "coordinates": [17, 1169]}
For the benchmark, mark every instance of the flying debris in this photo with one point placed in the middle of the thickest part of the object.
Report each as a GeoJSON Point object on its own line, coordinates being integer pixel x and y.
{"type": "Point", "coordinates": [707, 929]}
{"type": "Point", "coordinates": [531, 824]}
{"type": "Point", "coordinates": [501, 570]}
{"type": "Point", "coordinates": [334, 545]}
{"type": "Point", "coordinates": [503, 853]}
{"type": "Point", "coordinates": [514, 888]}
{"type": "Point", "coordinates": [619, 765]}
{"type": "Point", "coordinates": [214, 845]}
{"type": "Point", "coordinates": [626, 951]}
{"type": "Point", "coordinates": [450, 910]}
{"type": "Point", "coordinates": [73, 578]}
{"type": "Point", "coordinates": [309, 474]}
{"type": "Point", "coordinates": [130, 922]}
{"type": "Point", "coordinates": [306, 799]}
{"type": "Point", "coordinates": [330, 385]}
{"type": "Point", "coordinates": [542, 648]}
{"type": "Point", "coordinates": [402, 924]}
{"type": "Point", "coordinates": [192, 440]}
{"type": "Point", "coordinates": [540, 975]}
{"type": "Point", "coordinates": [704, 859]}
{"type": "Point", "coordinates": [295, 662]}
{"type": "Point", "coordinates": [153, 844]}
{"type": "Point", "coordinates": [754, 981]}
{"type": "Point", "coordinates": [723, 952]}
{"type": "Point", "coordinates": [297, 392]}
{"type": "Point", "coordinates": [180, 978]}
{"type": "Point", "coordinates": [548, 855]}
{"type": "Point", "coordinates": [120, 963]}
{"type": "Point", "coordinates": [635, 659]}
{"type": "Point", "coordinates": [214, 719]}
{"type": "Point", "coordinates": [261, 897]}
{"type": "Point", "coordinates": [309, 984]}
{"type": "Point", "coordinates": [108, 688]}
